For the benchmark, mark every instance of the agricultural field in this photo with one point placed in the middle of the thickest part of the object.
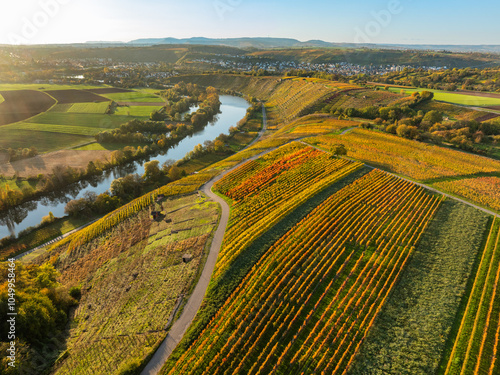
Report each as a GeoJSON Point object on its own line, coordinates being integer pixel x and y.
{"type": "Point", "coordinates": [53, 128]}
{"type": "Point", "coordinates": [336, 269]}
{"type": "Point", "coordinates": [93, 120]}
{"type": "Point", "coordinates": [315, 124]}
{"type": "Point", "coordinates": [31, 111]}
{"type": "Point", "coordinates": [455, 98]}
{"type": "Point", "coordinates": [45, 141]}
{"type": "Point", "coordinates": [266, 189]}
{"type": "Point", "coordinates": [75, 96]}
{"type": "Point", "coordinates": [136, 111]}
{"type": "Point", "coordinates": [134, 96]}
{"type": "Point", "coordinates": [133, 281]}
{"type": "Point", "coordinates": [476, 347]}
{"type": "Point", "coordinates": [455, 172]}
{"type": "Point", "coordinates": [185, 185]}
{"type": "Point", "coordinates": [360, 98]}
{"type": "Point", "coordinates": [89, 108]}
{"type": "Point", "coordinates": [23, 104]}
{"type": "Point", "coordinates": [410, 335]}
{"type": "Point", "coordinates": [293, 96]}
{"type": "Point", "coordinates": [45, 163]}
{"type": "Point", "coordinates": [108, 90]}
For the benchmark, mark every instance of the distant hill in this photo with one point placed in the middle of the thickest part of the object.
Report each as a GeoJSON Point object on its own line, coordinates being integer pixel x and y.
{"type": "Point", "coordinates": [263, 43]}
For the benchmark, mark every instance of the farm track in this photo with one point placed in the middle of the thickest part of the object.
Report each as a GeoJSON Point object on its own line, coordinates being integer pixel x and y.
{"type": "Point", "coordinates": [193, 304]}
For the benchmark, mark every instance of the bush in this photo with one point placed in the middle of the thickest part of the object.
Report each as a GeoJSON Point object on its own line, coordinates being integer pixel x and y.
{"type": "Point", "coordinates": [130, 368]}
{"type": "Point", "coordinates": [391, 128]}
{"type": "Point", "coordinates": [75, 292]}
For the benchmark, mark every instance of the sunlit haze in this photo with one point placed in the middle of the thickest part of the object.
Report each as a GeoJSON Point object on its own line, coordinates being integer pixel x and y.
{"type": "Point", "coordinates": [374, 21]}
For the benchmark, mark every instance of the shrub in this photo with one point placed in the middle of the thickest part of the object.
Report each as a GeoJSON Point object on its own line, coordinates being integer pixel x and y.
{"type": "Point", "coordinates": [75, 292]}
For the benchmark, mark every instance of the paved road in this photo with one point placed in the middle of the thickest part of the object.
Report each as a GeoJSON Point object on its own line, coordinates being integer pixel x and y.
{"type": "Point", "coordinates": [193, 304]}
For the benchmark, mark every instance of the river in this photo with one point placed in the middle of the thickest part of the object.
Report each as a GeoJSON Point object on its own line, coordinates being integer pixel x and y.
{"type": "Point", "coordinates": [31, 213]}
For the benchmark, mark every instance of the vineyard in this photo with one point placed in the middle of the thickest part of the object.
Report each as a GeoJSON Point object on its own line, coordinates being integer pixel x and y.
{"type": "Point", "coordinates": [292, 97]}
{"type": "Point", "coordinates": [336, 269]}
{"type": "Point", "coordinates": [476, 348]}
{"type": "Point", "coordinates": [266, 189]}
{"type": "Point", "coordinates": [133, 281]}
{"type": "Point", "coordinates": [315, 124]}
{"type": "Point", "coordinates": [413, 330]}
{"type": "Point", "coordinates": [483, 190]}
{"type": "Point", "coordinates": [430, 164]}
{"type": "Point", "coordinates": [362, 98]}
{"type": "Point", "coordinates": [183, 186]}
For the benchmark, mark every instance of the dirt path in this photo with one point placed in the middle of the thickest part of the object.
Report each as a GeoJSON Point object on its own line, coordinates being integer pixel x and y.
{"type": "Point", "coordinates": [348, 130]}
{"type": "Point", "coordinates": [193, 304]}
{"type": "Point", "coordinates": [180, 326]}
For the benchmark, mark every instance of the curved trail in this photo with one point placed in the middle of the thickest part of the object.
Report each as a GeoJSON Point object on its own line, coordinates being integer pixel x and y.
{"type": "Point", "coordinates": [193, 304]}
{"type": "Point", "coordinates": [180, 326]}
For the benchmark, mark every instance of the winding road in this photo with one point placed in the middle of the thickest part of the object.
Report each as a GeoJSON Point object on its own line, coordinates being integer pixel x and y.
{"type": "Point", "coordinates": [193, 304]}
{"type": "Point", "coordinates": [180, 326]}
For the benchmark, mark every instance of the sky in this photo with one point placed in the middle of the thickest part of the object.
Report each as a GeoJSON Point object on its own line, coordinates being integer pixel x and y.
{"type": "Point", "coordinates": [358, 21]}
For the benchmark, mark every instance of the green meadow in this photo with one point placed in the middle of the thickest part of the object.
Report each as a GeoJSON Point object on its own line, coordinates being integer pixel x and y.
{"type": "Point", "coordinates": [138, 111]}
{"type": "Point", "coordinates": [44, 141]}
{"type": "Point", "coordinates": [135, 96]}
{"type": "Point", "coordinates": [88, 108]}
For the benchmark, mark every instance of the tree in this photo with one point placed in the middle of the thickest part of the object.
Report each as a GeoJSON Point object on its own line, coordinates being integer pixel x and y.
{"type": "Point", "coordinates": [152, 172]}
{"type": "Point", "coordinates": [426, 95]}
{"type": "Point", "coordinates": [219, 146]}
{"type": "Point", "coordinates": [91, 169]}
{"type": "Point", "coordinates": [338, 149]}
{"type": "Point", "coordinates": [406, 131]}
{"type": "Point", "coordinates": [165, 167]}
{"type": "Point", "coordinates": [50, 218]}
{"type": "Point", "coordinates": [174, 173]}
{"type": "Point", "coordinates": [433, 117]}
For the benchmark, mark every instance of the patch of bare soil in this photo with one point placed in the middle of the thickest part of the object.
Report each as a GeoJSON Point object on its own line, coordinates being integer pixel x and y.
{"type": "Point", "coordinates": [45, 163]}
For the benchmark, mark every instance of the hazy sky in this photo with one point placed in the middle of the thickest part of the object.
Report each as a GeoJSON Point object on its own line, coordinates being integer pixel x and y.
{"type": "Point", "coordinates": [376, 21]}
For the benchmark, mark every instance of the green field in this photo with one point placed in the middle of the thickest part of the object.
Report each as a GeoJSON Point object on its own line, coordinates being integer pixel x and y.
{"type": "Point", "coordinates": [91, 120]}
{"type": "Point", "coordinates": [46, 86]}
{"type": "Point", "coordinates": [135, 96]}
{"type": "Point", "coordinates": [1, 99]}
{"type": "Point", "coordinates": [86, 124]}
{"type": "Point", "coordinates": [61, 108]}
{"type": "Point", "coordinates": [139, 111]}
{"type": "Point", "coordinates": [88, 108]}
{"type": "Point", "coordinates": [43, 141]}
{"type": "Point", "coordinates": [471, 100]}
{"type": "Point", "coordinates": [67, 129]}
{"type": "Point", "coordinates": [70, 125]}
